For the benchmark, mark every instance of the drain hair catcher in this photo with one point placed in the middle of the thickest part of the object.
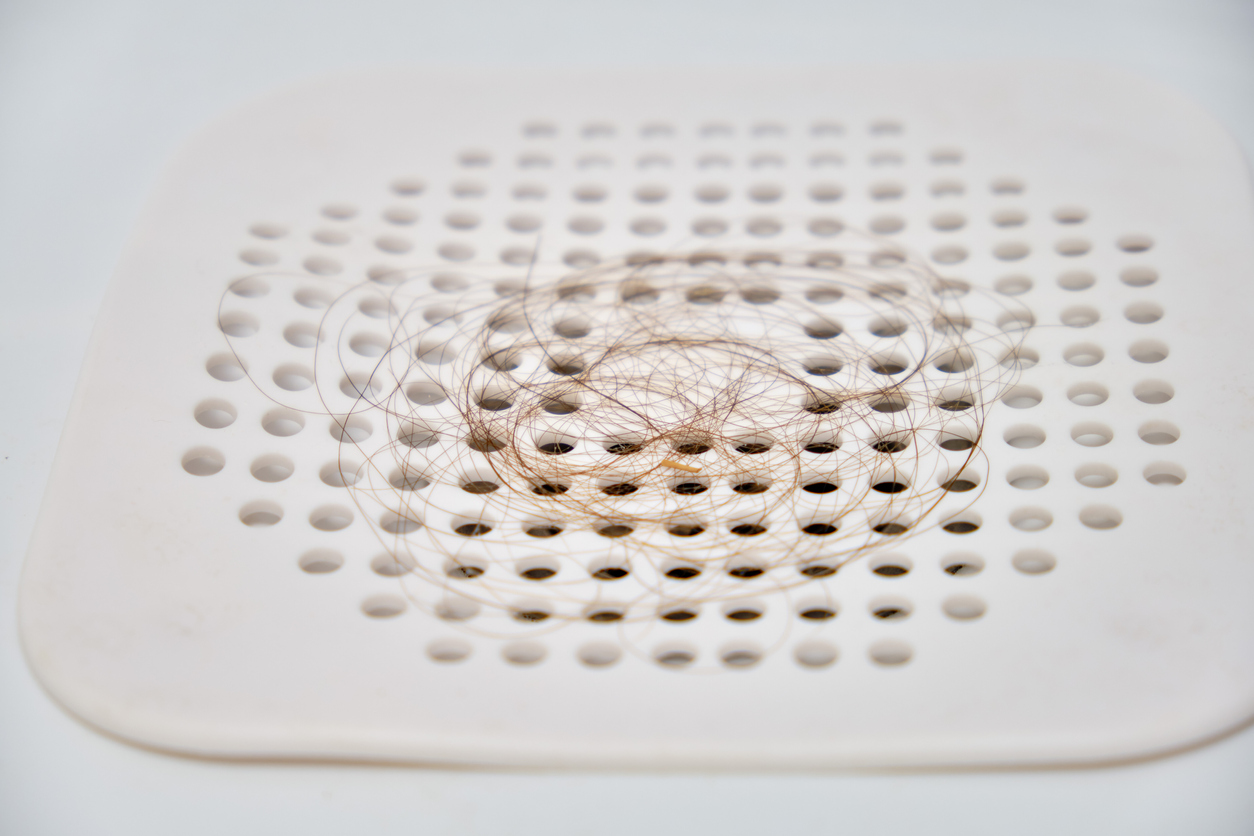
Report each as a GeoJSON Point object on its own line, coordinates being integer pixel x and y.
{"type": "Point", "coordinates": [861, 422]}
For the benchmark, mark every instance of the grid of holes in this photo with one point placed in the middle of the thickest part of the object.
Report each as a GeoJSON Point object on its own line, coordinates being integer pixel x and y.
{"type": "Point", "coordinates": [1089, 399]}
{"type": "Point", "coordinates": [874, 185]}
{"type": "Point", "coordinates": [320, 561]}
{"type": "Point", "coordinates": [824, 159]}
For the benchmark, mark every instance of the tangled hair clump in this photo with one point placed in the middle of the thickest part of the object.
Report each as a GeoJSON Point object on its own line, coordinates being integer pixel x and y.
{"type": "Point", "coordinates": [690, 420]}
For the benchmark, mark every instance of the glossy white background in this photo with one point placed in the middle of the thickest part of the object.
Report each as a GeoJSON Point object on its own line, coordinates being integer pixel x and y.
{"type": "Point", "coordinates": [94, 96]}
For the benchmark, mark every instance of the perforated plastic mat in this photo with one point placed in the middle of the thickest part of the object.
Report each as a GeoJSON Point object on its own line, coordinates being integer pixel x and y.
{"type": "Point", "coordinates": [879, 416]}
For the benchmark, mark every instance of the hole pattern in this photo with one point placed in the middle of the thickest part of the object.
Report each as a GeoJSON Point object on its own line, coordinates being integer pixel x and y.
{"type": "Point", "coordinates": [492, 410]}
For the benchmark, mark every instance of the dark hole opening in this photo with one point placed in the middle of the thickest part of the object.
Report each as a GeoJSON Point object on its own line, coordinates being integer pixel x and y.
{"type": "Point", "coordinates": [888, 329]}
{"type": "Point", "coordinates": [705, 295]}
{"type": "Point", "coordinates": [823, 332]}
{"type": "Point", "coordinates": [501, 363]}
{"type": "Point", "coordinates": [473, 529]}
{"type": "Point", "coordinates": [560, 407]}
{"type": "Point", "coordinates": [640, 297]}
{"type": "Point", "coordinates": [567, 369]}
{"type": "Point", "coordinates": [759, 295]}
{"type": "Point", "coordinates": [959, 485]}
{"type": "Point", "coordinates": [675, 658]}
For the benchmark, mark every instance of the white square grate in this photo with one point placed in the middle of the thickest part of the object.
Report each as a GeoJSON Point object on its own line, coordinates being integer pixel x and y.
{"type": "Point", "coordinates": [802, 418]}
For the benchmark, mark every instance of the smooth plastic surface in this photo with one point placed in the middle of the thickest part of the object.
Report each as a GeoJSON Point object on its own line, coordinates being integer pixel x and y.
{"type": "Point", "coordinates": [150, 610]}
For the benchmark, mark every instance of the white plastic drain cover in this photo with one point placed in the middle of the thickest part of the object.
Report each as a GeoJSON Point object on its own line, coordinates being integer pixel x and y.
{"type": "Point", "coordinates": [772, 418]}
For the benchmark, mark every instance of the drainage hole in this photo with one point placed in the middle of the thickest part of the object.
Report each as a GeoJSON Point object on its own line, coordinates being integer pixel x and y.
{"type": "Point", "coordinates": [961, 527]}
{"type": "Point", "coordinates": [891, 570]}
{"type": "Point", "coordinates": [959, 485]}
